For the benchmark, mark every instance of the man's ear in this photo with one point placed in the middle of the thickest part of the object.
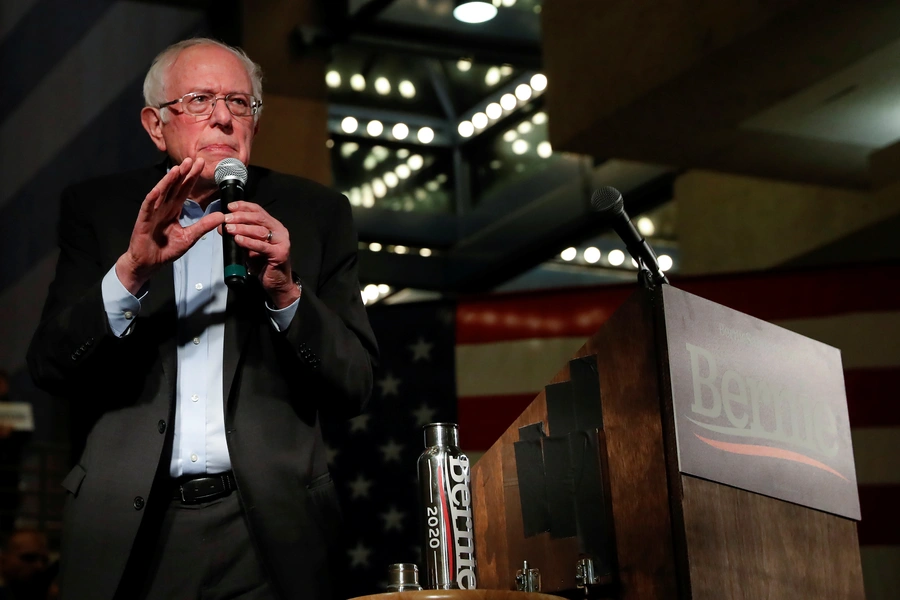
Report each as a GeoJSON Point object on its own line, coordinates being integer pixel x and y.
{"type": "Point", "coordinates": [152, 122]}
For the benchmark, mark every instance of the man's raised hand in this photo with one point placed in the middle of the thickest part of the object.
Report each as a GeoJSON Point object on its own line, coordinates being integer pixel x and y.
{"type": "Point", "coordinates": [158, 238]}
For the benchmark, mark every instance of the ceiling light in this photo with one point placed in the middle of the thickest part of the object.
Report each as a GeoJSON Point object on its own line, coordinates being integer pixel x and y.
{"type": "Point", "coordinates": [508, 101]}
{"type": "Point", "coordinates": [383, 86]}
{"type": "Point", "coordinates": [400, 131]}
{"type": "Point", "coordinates": [524, 127]}
{"type": "Point", "coordinates": [492, 77]}
{"type": "Point", "coordinates": [523, 91]}
{"type": "Point", "coordinates": [645, 226]}
{"type": "Point", "coordinates": [349, 124]}
{"type": "Point", "coordinates": [479, 120]}
{"type": "Point", "coordinates": [425, 135]}
{"type": "Point", "coordinates": [665, 262]}
{"type": "Point", "coordinates": [474, 11]}
{"type": "Point", "coordinates": [374, 128]}
{"type": "Point", "coordinates": [568, 254]}
{"type": "Point", "coordinates": [400, 249]}
{"type": "Point", "coordinates": [432, 186]}
{"type": "Point", "coordinates": [329, 143]}
{"type": "Point", "coordinates": [415, 162]}
{"type": "Point", "coordinates": [348, 148]}
{"type": "Point", "coordinates": [383, 288]}
{"type": "Point", "coordinates": [544, 149]}
{"type": "Point", "coordinates": [615, 257]}
{"type": "Point", "coordinates": [333, 79]}
{"type": "Point", "coordinates": [591, 255]}
{"type": "Point", "coordinates": [402, 153]}
{"type": "Point", "coordinates": [507, 2]}
{"type": "Point", "coordinates": [355, 197]}
{"type": "Point", "coordinates": [403, 171]}
{"type": "Point", "coordinates": [391, 179]}
{"type": "Point", "coordinates": [380, 152]}
{"type": "Point", "coordinates": [464, 64]}
{"type": "Point", "coordinates": [510, 135]}
{"type": "Point", "coordinates": [520, 146]}
{"type": "Point", "coordinates": [420, 194]}
{"type": "Point", "coordinates": [466, 129]}
{"type": "Point", "coordinates": [368, 198]}
{"type": "Point", "coordinates": [406, 89]}
{"type": "Point", "coordinates": [539, 118]}
{"type": "Point", "coordinates": [370, 162]}
{"type": "Point", "coordinates": [375, 247]}
{"type": "Point", "coordinates": [634, 263]}
{"type": "Point", "coordinates": [371, 292]}
{"type": "Point", "coordinates": [539, 82]}
{"type": "Point", "coordinates": [493, 110]}
{"type": "Point", "coordinates": [378, 188]}
{"type": "Point", "coordinates": [424, 252]}
{"type": "Point", "coordinates": [357, 82]}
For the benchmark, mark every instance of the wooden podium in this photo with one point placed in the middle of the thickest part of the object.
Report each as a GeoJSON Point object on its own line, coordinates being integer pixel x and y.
{"type": "Point", "coordinates": [688, 451]}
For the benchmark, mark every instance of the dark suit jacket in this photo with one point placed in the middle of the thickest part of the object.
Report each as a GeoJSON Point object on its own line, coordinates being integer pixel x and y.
{"type": "Point", "coordinates": [276, 385]}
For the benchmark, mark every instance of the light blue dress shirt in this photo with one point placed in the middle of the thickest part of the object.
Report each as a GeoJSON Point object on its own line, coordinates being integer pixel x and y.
{"type": "Point", "coordinates": [200, 295]}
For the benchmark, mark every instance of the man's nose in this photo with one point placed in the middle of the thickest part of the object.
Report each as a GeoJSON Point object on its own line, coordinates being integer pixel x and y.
{"type": "Point", "coordinates": [220, 114]}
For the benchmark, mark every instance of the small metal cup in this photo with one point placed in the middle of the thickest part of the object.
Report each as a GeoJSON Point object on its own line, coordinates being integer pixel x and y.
{"type": "Point", "coordinates": [403, 577]}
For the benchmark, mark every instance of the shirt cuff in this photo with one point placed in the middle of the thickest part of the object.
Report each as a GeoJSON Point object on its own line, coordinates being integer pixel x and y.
{"type": "Point", "coordinates": [121, 306]}
{"type": "Point", "coordinates": [281, 317]}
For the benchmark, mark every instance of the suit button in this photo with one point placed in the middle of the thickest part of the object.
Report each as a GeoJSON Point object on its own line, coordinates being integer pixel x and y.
{"type": "Point", "coordinates": [138, 503]}
{"type": "Point", "coordinates": [161, 426]}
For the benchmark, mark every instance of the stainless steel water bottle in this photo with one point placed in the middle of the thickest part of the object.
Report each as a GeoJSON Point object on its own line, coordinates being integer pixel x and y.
{"type": "Point", "coordinates": [445, 495]}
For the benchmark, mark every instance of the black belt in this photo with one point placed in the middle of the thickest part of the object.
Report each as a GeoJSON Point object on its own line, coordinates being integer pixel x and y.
{"type": "Point", "coordinates": [204, 488]}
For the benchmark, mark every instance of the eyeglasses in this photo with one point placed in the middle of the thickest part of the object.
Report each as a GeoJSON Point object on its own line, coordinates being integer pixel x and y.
{"type": "Point", "coordinates": [202, 103]}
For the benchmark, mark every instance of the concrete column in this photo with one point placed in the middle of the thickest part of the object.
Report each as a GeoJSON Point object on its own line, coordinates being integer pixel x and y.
{"type": "Point", "coordinates": [293, 126]}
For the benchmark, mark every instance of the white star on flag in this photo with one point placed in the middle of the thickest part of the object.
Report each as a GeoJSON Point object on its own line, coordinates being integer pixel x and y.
{"type": "Point", "coordinates": [421, 349]}
{"type": "Point", "coordinates": [389, 385]}
{"type": "Point", "coordinates": [393, 519]}
{"type": "Point", "coordinates": [391, 451]}
{"type": "Point", "coordinates": [359, 556]}
{"type": "Point", "coordinates": [359, 422]}
{"type": "Point", "coordinates": [359, 487]}
{"type": "Point", "coordinates": [424, 415]}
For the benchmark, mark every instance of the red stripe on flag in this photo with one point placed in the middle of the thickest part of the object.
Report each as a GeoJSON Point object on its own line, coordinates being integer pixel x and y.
{"type": "Point", "coordinates": [767, 296]}
{"type": "Point", "coordinates": [880, 508]}
{"type": "Point", "coordinates": [483, 419]}
{"type": "Point", "coordinates": [871, 397]}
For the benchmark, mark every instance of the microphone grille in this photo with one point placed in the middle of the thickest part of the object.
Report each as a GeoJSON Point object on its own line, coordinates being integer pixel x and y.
{"type": "Point", "coordinates": [608, 200]}
{"type": "Point", "coordinates": [231, 168]}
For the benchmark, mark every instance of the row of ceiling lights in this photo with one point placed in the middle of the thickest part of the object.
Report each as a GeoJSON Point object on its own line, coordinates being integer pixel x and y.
{"type": "Point", "coordinates": [376, 129]}
{"type": "Point", "coordinates": [382, 85]}
{"type": "Point", "coordinates": [506, 104]}
{"type": "Point", "coordinates": [615, 257]}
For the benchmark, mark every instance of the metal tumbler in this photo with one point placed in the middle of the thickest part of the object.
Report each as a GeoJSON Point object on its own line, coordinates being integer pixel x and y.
{"type": "Point", "coordinates": [445, 496]}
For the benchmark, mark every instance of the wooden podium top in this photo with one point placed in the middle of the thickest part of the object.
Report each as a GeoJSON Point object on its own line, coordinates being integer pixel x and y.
{"type": "Point", "coordinates": [459, 595]}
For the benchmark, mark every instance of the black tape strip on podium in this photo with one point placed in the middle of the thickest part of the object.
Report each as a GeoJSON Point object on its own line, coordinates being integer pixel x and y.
{"type": "Point", "coordinates": [560, 487]}
{"type": "Point", "coordinates": [560, 409]}
{"type": "Point", "coordinates": [532, 486]}
{"type": "Point", "coordinates": [585, 394]}
{"type": "Point", "coordinates": [591, 506]}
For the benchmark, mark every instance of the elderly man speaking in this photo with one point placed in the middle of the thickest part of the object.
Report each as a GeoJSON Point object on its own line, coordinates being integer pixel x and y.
{"type": "Point", "coordinates": [204, 471]}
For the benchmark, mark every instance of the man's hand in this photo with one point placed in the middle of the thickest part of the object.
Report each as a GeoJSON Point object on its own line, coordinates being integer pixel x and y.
{"type": "Point", "coordinates": [158, 238]}
{"type": "Point", "coordinates": [268, 256]}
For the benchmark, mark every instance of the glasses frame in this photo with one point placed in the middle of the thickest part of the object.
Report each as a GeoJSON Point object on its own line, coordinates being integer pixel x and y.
{"type": "Point", "coordinates": [255, 103]}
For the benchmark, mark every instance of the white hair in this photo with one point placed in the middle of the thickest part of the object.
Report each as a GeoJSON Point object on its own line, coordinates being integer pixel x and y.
{"type": "Point", "coordinates": [155, 81]}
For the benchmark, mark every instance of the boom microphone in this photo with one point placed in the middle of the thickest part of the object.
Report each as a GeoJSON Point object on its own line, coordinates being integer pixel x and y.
{"type": "Point", "coordinates": [231, 177]}
{"type": "Point", "coordinates": [608, 202]}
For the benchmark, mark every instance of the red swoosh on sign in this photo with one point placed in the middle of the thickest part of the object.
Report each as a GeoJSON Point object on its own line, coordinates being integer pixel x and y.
{"type": "Point", "coordinates": [754, 450]}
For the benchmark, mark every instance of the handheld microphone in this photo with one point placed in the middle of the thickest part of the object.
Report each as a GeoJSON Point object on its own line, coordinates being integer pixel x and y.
{"type": "Point", "coordinates": [609, 203]}
{"type": "Point", "coordinates": [231, 177]}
